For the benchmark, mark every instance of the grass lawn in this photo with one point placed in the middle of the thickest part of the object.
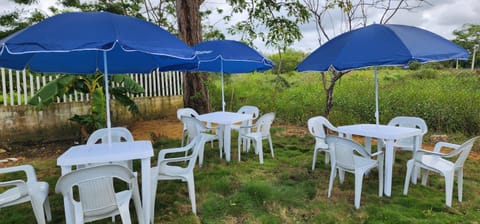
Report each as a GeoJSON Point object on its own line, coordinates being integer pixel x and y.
{"type": "Point", "coordinates": [284, 190]}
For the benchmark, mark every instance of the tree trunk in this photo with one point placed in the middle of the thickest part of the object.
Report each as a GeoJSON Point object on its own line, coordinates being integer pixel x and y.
{"type": "Point", "coordinates": [195, 94]}
{"type": "Point", "coordinates": [329, 91]}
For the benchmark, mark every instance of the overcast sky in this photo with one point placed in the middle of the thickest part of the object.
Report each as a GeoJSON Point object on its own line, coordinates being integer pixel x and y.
{"type": "Point", "coordinates": [442, 17]}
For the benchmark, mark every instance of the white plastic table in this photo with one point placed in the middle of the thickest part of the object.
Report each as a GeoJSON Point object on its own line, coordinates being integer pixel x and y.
{"type": "Point", "coordinates": [387, 133]}
{"type": "Point", "coordinates": [116, 151]}
{"type": "Point", "coordinates": [225, 120]}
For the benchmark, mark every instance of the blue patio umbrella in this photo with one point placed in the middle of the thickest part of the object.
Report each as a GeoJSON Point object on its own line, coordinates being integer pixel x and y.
{"type": "Point", "coordinates": [231, 57]}
{"type": "Point", "coordinates": [381, 45]}
{"type": "Point", "coordinates": [86, 42]}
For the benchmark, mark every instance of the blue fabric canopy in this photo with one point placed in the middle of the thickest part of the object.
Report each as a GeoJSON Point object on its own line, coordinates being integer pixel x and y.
{"type": "Point", "coordinates": [75, 43]}
{"type": "Point", "coordinates": [381, 45]}
{"type": "Point", "coordinates": [229, 56]}
{"type": "Point", "coordinates": [86, 42]}
{"type": "Point", "coordinates": [235, 56]}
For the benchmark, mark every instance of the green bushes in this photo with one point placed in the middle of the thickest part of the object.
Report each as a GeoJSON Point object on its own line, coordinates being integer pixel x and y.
{"type": "Point", "coordinates": [448, 100]}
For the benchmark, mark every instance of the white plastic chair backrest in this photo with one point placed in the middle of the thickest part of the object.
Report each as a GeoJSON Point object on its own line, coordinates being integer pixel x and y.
{"type": "Point", "coordinates": [253, 110]}
{"type": "Point", "coordinates": [264, 123]}
{"type": "Point", "coordinates": [193, 126]}
{"type": "Point", "coordinates": [317, 125]}
{"type": "Point", "coordinates": [101, 201]}
{"type": "Point", "coordinates": [344, 151]}
{"type": "Point", "coordinates": [186, 112]}
{"type": "Point", "coordinates": [409, 122]}
{"type": "Point", "coordinates": [119, 134]}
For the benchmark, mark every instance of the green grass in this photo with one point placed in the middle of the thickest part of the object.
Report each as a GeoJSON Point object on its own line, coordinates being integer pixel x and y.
{"type": "Point", "coordinates": [284, 190]}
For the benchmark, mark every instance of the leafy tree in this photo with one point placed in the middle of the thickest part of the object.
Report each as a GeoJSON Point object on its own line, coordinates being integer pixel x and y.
{"type": "Point", "coordinates": [467, 37]}
{"type": "Point", "coordinates": [291, 58]}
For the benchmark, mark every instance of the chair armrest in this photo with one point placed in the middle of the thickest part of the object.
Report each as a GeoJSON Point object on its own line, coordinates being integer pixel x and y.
{"type": "Point", "coordinates": [12, 183]}
{"type": "Point", "coordinates": [441, 145]}
{"type": "Point", "coordinates": [378, 153]}
{"type": "Point", "coordinates": [251, 126]}
{"type": "Point", "coordinates": [162, 153]}
{"type": "Point", "coordinates": [28, 169]}
{"type": "Point", "coordinates": [176, 159]}
{"type": "Point", "coordinates": [422, 152]}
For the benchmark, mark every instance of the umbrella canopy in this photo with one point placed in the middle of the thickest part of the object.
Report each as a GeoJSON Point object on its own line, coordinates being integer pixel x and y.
{"type": "Point", "coordinates": [86, 42]}
{"type": "Point", "coordinates": [381, 45]}
{"type": "Point", "coordinates": [231, 57]}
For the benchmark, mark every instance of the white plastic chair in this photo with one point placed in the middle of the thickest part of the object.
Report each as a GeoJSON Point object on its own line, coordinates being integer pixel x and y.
{"type": "Point", "coordinates": [259, 131]}
{"type": "Point", "coordinates": [119, 134]}
{"type": "Point", "coordinates": [316, 126]}
{"type": "Point", "coordinates": [21, 191]}
{"type": "Point", "coordinates": [185, 112]}
{"type": "Point", "coordinates": [195, 128]}
{"type": "Point", "coordinates": [347, 155]}
{"type": "Point", "coordinates": [87, 206]}
{"type": "Point", "coordinates": [247, 109]}
{"type": "Point", "coordinates": [409, 122]}
{"type": "Point", "coordinates": [170, 166]}
{"type": "Point", "coordinates": [436, 161]}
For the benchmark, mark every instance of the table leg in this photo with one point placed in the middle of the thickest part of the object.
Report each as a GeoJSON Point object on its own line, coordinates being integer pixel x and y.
{"type": "Point", "coordinates": [227, 141]}
{"type": "Point", "coordinates": [66, 204]}
{"type": "Point", "coordinates": [388, 167]}
{"type": "Point", "coordinates": [146, 189]}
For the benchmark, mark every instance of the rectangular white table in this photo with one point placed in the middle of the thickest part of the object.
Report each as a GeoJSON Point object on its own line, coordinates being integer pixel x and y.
{"type": "Point", "coordinates": [114, 152]}
{"type": "Point", "coordinates": [387, 133]}
{"type": "Point", "coordinates": [225, 120]}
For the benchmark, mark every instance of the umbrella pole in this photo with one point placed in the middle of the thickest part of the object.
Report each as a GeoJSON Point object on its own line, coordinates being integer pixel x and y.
{"type": "Point", "coordinates": [223, 91]}
{"type": "Point", "coordinates": [377, 115]}
{"type": "Point", "coordinates": [107, 97]}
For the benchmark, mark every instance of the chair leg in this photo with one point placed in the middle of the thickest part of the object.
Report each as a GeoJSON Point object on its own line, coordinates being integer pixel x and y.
{"type": "Point", "coordinates": [327, 157]}
{"type": "Point", "coordinates": [259, 149]}
{"type": "Point", "coordinates": [152, 200]}
{"type": "Point", "coordinates": [48, 210]}
{"type": "Point", "coordinates": [380, 177]}
{"type": "Point", "coordinates": [332, 178]}
{"type": "Point", "coordinates": [410, 164]}
{"type": "Point", "coordinates": [137, 203]}
{"type": "Point", "coordinates": [448, 188]}
{"type": "Point", "coordinates": [38, 209]}
{"type": "Point", "coordinates": [191, 193]}
{"type": "Point", "coordinates": [460, 184]}
{"type": "Point", "coordinates": [425, 177]}
{"type": "Point", "coordinates": [341, 175]}
{"type": "Point", "coordinates": [358, 188]}
{"type": "Point", "coordinates": [125, 214]}
{"type": "Point", "coordinates": [239, 147]}
{"type": "Point", "coordinates": [314, 160]}
{"type": "Point", "coordinates": [271, 145]}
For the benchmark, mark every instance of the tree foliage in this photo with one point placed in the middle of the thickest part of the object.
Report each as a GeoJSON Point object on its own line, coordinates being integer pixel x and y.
{"type": "Point", "coordinates": [467, 37]}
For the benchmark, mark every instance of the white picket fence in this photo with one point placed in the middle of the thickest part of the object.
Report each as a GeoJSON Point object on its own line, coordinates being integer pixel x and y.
{"type": "Point", "coordinates": [19, 86]}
